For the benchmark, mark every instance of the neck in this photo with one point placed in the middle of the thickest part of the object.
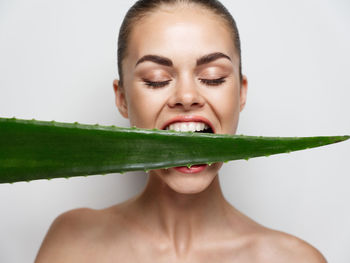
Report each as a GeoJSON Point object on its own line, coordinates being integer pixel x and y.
{"type": "Point", "coordinates": [184, 218]}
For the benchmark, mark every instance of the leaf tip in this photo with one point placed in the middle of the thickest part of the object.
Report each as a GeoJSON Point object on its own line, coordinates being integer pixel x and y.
{"type": "Point", "coordinates": [346, 137]}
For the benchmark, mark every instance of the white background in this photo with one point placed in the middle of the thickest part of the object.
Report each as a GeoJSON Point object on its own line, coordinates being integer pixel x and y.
{"type": "Point", "coordinates": [58, 61]}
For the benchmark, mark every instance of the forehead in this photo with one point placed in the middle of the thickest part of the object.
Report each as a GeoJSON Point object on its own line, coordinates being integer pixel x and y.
{"type": "Point", "coordinates": [180, 33]}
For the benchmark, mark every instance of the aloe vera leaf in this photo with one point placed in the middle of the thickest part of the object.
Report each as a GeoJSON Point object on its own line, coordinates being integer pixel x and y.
{"type": "Point", "coordinates": [31, 150]}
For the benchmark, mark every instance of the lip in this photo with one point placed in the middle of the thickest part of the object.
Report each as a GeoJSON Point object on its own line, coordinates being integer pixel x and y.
{"type": "Point", "coordinates": [189, 118]}
{"type": "Point", "coordinates": [194, 169]}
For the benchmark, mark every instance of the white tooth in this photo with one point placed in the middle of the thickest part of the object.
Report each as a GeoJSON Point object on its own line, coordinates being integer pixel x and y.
{"type": "Point", "coordinates": [191, 126]}
{"type": "Point", "coordinates": [177, 126]}
{"type": "Point", "coordinates": [183, 127]}
{"type": "Point", "coordinates": [187, 126]}
{"type": "Point", "coordinates": [201, 126]}
{"type": "Point", "coordinates": [198, 126]}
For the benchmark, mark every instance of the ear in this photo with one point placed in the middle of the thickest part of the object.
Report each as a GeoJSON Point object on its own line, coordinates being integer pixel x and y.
{"type": "Point", "coordinates": [120, 99]}
{"type": "Point", "coordinates": [243, 92]}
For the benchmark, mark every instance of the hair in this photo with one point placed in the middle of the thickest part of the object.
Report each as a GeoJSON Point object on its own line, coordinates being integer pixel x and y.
{"type": "Point", "coordinates": [142, 8]}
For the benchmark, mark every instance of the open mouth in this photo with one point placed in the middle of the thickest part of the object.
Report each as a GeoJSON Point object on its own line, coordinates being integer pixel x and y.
{"type": "Point", "coordinates": [190, 127]}
{"type": "Point", "coordinates": [190, 124]}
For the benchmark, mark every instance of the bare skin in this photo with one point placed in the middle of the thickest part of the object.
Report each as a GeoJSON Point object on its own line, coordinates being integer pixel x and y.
{"type": "Point", "coordinates": [178, 217]}
{"type": "Point", "coordinates": [169, 227]}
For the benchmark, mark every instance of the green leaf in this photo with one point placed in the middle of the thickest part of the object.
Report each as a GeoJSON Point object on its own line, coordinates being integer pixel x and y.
{"type": "Point", "coordinates": [31, 150]}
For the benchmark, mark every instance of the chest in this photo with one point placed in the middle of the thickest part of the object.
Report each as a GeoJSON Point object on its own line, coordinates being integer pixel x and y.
{"type": "Point", "coordinates": [134, 252]}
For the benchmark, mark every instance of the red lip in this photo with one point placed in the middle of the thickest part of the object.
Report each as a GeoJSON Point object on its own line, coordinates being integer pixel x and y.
{"type": "Point", "coordinates": [189, 118]}
{"type": "Point", "coordinates": [194, 169]}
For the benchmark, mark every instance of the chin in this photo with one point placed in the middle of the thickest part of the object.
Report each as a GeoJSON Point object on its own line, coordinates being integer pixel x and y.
{"type": "Point", "coordinates": [188, 185]}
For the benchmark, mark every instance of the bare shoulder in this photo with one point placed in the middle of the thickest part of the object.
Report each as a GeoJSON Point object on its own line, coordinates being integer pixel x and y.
{"type": "Point", "coordinates": [70, 235]}
{"type": "Point", "coordinates": [274, 246]}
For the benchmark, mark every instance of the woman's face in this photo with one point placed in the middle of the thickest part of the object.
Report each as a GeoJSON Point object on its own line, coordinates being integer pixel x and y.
{"type": "Point", "coordinates": [182, 70]}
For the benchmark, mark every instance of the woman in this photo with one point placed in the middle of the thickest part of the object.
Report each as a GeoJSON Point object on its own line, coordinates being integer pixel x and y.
{"type": "Point", "coordinates": [180, 69]}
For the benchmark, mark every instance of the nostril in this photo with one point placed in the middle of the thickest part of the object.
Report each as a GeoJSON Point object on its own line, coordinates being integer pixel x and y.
{"type": "Point", "coordinates": [186, 100]}
{"type": "Point", "coordinates": [187, 104]}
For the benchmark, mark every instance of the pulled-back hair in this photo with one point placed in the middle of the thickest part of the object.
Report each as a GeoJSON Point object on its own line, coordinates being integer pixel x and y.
{"type": "Point", "coordinates": [143, 8]}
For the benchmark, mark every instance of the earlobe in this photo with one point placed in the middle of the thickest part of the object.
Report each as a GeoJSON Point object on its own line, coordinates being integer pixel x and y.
{"type": "Point", "coordinates": [243, 92]}
{"type": "Point", "coordinates": [120, 99]}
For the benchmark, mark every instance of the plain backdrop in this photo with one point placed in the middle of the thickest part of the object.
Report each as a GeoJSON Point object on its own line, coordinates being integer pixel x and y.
{"type": "Point", "coordinates": [58, 61]}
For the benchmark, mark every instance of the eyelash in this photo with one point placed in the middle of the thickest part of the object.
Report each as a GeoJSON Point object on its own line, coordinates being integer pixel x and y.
{"type": "Point", "coordinates": [209, 82]}
{"type": "Point", "coordinates": [213, 82]}
{"type": "Point", "coordinates": [156, 84]}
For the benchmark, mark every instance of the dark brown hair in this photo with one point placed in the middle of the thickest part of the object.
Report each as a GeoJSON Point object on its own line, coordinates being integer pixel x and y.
{"type": "Point", "coordinates": [144, 7]}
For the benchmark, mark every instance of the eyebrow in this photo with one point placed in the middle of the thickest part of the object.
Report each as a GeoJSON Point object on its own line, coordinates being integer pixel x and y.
{"type": "Point", "coordinates": [211, 57]}
{"type": "Point", "coordinates": [156, 59]}
{"type": "Point", "coordinates": [167, 62]}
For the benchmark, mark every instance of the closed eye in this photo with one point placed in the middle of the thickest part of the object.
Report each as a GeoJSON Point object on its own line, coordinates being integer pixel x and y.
{"type": "Point", "coordinates": [213, 82]}
{"type": "Point", "coordinates": [156, 84]}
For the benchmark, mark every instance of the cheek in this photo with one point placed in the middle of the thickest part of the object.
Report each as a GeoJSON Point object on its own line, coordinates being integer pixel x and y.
{"type": "Point", "coordinates": [144, 106]}
{"type": "Point", "coordinates": [231, 114]}
{"type": "Point", "coordinates": [226, 104]}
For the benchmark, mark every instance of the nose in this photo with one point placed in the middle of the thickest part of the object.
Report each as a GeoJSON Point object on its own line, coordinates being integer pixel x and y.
{"type": "Point", "coordinates": [186, 95]}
